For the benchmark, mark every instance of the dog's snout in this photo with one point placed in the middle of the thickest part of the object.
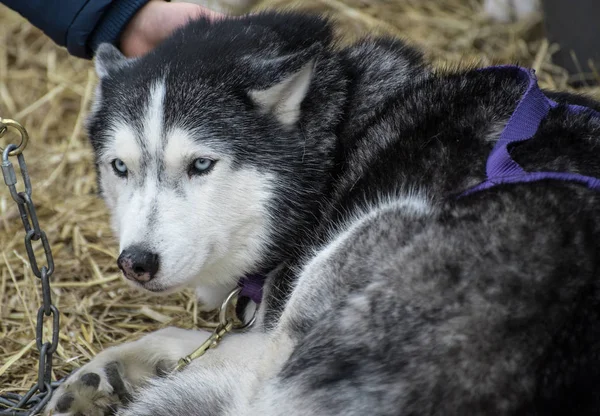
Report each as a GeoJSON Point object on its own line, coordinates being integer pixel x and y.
{"type": "Point", "coordinates": [138, 264]}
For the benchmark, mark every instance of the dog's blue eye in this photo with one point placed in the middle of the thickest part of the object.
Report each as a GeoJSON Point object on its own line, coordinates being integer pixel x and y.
{"type": "Point", "coordinates": [119, 167]}
{"type": "Point", "coordinates": [201, 166]}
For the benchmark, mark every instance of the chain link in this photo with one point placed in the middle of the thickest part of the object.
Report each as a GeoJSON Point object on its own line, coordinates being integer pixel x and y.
{"type": "Point", "coordinates": [34, 400]}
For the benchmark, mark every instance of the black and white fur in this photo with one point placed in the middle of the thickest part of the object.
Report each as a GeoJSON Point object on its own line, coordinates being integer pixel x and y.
{"type": "Point", "coordinates": [336, 173]}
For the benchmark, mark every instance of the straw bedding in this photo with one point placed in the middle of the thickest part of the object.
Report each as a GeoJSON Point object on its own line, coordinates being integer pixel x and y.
{"type": "Point", "coordinates": [49, 92]}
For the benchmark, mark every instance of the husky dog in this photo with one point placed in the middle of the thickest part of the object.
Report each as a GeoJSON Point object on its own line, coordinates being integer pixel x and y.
{"type": "Point", "coordinates": [255, 146]}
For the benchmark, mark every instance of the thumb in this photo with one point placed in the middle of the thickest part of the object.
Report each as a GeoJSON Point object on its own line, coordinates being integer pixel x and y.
{"type": "Point", "coordinates": [176, 15]}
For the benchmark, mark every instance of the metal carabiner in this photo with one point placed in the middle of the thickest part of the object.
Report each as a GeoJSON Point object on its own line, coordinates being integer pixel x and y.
{"type": "Point", "coordinates": [226, 325]}
{"type": "Point", "coordinates": [5, 123]}
{"type": "Point", "coordinates": [224, 309]}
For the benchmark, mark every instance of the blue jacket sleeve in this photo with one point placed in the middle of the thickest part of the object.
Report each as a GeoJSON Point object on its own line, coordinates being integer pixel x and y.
{"type": "Point", "coordinates": [80, 25]}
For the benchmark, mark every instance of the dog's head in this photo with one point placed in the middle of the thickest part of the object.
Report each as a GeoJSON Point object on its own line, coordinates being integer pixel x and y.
{"type": "Point", "coordinates": [201, 147]}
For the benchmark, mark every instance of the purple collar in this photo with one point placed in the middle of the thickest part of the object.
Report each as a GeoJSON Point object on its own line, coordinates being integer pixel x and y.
{"type": "Point", "coordinates": [522, 125]}
{"type": "Point", "coordinates": [252, 287]}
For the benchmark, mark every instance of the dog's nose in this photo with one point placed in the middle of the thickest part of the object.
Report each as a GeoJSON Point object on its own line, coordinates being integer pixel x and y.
{"type": "Point", "coordinates": [138, 264]}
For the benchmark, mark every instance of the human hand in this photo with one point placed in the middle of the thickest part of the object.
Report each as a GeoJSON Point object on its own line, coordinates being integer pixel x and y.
{"type": "Point", "coordinates": [156, 21]}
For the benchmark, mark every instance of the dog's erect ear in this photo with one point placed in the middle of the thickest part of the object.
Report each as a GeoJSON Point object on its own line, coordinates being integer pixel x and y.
{"type": "Point", "coordinates": [283, 100]}
{"type": "Point", "coordinates": [108, 58]}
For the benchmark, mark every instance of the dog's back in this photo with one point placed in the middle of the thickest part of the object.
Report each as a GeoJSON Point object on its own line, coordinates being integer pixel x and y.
{"type": "Point", "coordinates": [442, 305]}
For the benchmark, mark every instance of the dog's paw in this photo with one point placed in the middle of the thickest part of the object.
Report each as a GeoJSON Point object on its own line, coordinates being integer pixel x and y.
{"type": "Point", "coordinates": [94, 390]}
{"type": "Point", "coordinates": [109, 381]}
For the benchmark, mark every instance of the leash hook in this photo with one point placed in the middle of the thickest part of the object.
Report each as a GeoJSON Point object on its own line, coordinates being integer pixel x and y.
{"type": "Point", "coordinates": [228, 322]}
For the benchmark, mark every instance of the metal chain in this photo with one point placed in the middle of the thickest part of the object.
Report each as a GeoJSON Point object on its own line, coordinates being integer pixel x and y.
{"type": "Point", "coordinates": [35, 399]}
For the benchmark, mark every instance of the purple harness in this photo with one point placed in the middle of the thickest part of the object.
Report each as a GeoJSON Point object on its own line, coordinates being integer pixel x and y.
{"type": "Point", "coordinates": [522, 125]}
{"type": "Point", "coordinates": [500, 168]}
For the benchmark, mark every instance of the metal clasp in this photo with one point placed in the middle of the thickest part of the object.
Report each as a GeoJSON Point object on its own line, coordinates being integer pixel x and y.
{"type": "Point", "coordinates": [228, 322]}
{"type": "Point", "coordinates": [5, 123]}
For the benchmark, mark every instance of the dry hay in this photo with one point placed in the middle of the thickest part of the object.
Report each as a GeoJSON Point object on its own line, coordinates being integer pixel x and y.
{"type": "Point", "coordinates": [49, 92]}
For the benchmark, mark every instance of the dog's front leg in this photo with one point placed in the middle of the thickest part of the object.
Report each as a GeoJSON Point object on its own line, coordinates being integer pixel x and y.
{"type": "Point", "coordinates": [221, 382]}
{"type": "Point", "coordinates": [112, 378]}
